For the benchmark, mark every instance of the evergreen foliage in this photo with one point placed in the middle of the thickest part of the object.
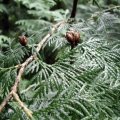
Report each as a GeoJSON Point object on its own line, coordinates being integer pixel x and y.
{"type": "Point", "coordinates": [60, 83]}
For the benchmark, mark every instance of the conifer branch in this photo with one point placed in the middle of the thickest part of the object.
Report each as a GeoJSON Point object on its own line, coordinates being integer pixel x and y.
{"type": "Point", "coordinates": [23, 66]}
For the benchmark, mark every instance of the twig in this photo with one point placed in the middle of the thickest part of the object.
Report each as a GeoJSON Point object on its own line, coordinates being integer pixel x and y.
{"type": "Point", "coordinates": [23, 65]}
{"type": "Point", "coordinates": [17, 66]}
{"type": "Point", "coordinates": [27, 111]}
{"type": "Point", "coordinates": [74, 9]}
{"type": "Point", "coordinates": [114, 7]}
{"type": "Point", "coordinates": [30, 87]}
{"type": "Point", "coordinates": [103, 11]}
{"type": "Point", "coordinates": [6, 100]}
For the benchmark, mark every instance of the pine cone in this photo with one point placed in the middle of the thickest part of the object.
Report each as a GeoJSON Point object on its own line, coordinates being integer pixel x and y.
{"type": "Point", "coordinates": [23, 40]}
{"type": "Point", "coordinates": [73, 38]}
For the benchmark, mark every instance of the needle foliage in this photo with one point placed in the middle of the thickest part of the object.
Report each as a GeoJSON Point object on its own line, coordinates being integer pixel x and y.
{"type": "Point", "coordinates": [62, 84]}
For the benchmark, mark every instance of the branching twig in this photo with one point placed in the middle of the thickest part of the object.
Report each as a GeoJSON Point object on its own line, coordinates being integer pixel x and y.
{"type": "Point", "coordinates": [23, 65]}
{"type": "Point", "coordinates": [27, 111]}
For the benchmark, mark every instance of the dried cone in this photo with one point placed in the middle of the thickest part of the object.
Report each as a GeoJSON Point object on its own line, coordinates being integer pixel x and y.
{"type": "Point", "coordinates": [73, 38]}
{"type": "Point", "coordinates": [23, 40]}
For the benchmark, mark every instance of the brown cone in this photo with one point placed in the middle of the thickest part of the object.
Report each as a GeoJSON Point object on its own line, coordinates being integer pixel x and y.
{"type": "Point", "coordinates": [73, 38]}
{"type": "Point", "coordinates": [23, 40]}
